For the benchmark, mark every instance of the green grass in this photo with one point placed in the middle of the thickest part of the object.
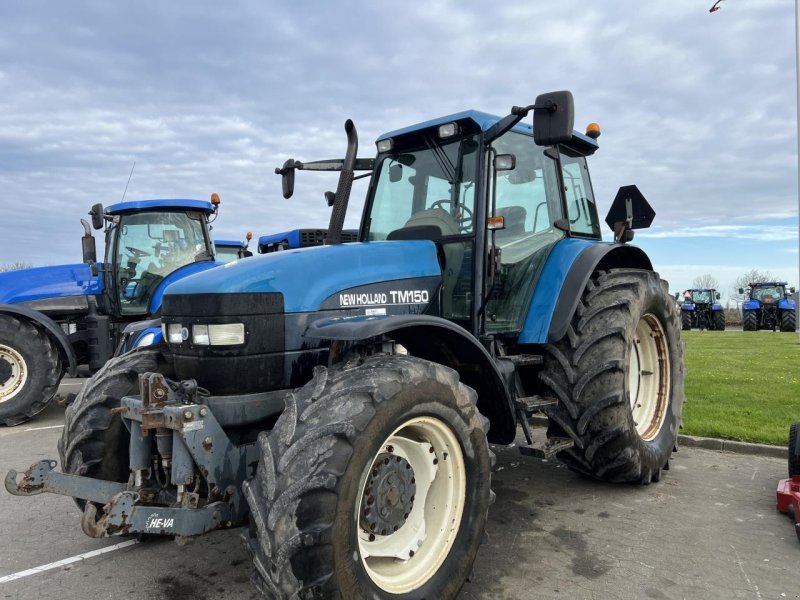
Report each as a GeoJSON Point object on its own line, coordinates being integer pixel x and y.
{"type": "Point", "coordinates": [742, 385]}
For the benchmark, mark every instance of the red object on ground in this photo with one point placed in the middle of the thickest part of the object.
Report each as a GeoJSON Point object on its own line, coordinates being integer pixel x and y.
{"type": "Point", "coordinates": [788, 501]}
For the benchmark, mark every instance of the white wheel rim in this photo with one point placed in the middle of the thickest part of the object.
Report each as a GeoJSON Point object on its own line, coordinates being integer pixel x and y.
{"type": "Point", "coordinates": [405, 559]}
{"type": "Point", "coordinates": [648, 377]}
{"type": "Point", "coordinates": [19, 372]}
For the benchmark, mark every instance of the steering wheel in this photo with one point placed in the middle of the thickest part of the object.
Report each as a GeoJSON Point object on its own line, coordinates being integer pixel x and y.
{"type": "Point", "coordinates": [465, 220]}
{"type": "Point", "coordinates": [136, 252]}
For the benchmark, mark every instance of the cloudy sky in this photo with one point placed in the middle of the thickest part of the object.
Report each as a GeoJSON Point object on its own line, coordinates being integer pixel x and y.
{"type": "Point", "coordinates": [697, 109]}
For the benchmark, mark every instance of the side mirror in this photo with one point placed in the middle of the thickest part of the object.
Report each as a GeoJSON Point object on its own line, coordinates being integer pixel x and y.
{"type": "Point", "coordinates": [676, 295]}
{"type": "Point", "coordinates": [741, 290]}
{"type": "Point", "coordinates": [505, 162]}
{"type": "Point", "coordinates": [287, 178]}
{"type": "Point", "coordinates": [96, 213]}
{"type": "Point", "coordinates": [791, 290]}
{"type": "Point", "coordinates": [553, 118]}
{"type": "Point", "coordinates": [718, 296]}
{"type": "Point", "coordinates": [395, 173]}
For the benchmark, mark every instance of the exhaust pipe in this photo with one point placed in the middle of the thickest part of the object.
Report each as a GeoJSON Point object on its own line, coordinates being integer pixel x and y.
{"type": "Point", "coordinates": [344, 186]}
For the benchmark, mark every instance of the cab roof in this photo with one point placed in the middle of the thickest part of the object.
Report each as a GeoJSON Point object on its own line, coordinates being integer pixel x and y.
{"type": "Point", "coordinates": [161, 204]}
{"type": "Point", "coordinates": [765, 283]}
{"type": "Point", "coordinates": [580, 142]}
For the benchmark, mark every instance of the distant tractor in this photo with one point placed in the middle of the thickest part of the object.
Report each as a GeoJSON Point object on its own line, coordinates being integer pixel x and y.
{"type": "Point", "coordinates": [768, 306]}
{"type": "Point", "coordinates": [300, 238]}
{"type": "Point", "coordinates": [53, 319]}
{"type": "Point", "coordinates": [230, 250]}
{"type": "Point", "coordinates": [700, 310]}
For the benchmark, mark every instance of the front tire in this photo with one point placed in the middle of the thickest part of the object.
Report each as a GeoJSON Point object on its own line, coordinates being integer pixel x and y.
{"type": "Point", "coordinates": [789, 320]}
{"type": "Point", "coordinates": [686, 320]}
{"type": "Point", "coordinates": [30, 370]}
{"type": "Point", "coordinates": [719, 320]}
{"type": "Point", "coordinates": [94, 442]}
{"type": "Point", "coordinates": [375, 481]}
{"type": "Point", "coordinates": [618, 374]}
{"type": "Point", "coordinates": [750, 320]}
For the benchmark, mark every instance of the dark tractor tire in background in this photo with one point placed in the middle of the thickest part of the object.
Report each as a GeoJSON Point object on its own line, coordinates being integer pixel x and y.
{"type": "Point", "coordinates": [794, 450]}
{"type": "Point", "coordinates": [719, 320]}
{"type": "Point", "coordinates": [750, 321]}
{"type": "Point", "coordinates": [618, 375]}
{"type": "Point", "coordinates": [94, 442]}
{"type": "Point", "coordinates": [374, 483]}
{"type": "Point", "coordinates": [789, 320]}
{"type": "Point", "coordinates": [30, 370]}
{"type": "Point", "coordinates": [686, 320]}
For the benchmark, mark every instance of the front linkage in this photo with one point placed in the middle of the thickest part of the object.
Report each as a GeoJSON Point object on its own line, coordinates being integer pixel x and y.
{"type": "Point", "coordinates": [189, 440]}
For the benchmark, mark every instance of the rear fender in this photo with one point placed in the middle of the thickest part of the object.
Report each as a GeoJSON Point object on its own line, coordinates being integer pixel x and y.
{"type": "Point", "coordinates": [593, 258]}
{"type": "Point", "coordinates": [51, 327]}
{"type": "Point", "coordinates": [439, 341]}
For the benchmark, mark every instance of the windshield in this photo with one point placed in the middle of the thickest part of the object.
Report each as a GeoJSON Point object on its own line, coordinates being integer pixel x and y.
{"type": "Point", "coordinates": [768, 293]}
{"type": "Point", "coordinates": [151, 245]}
{"type": "Point", "coordinates": [701, 296]}
{"type": "Point", "coordinates": [432, 187]}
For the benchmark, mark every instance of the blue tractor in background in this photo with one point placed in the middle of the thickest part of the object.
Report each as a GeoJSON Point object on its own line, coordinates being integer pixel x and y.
{"type": "Point", "coordinates": [300, 238]}
{"type": "Point", "coordinates": [53, 319]}
{"type": "Point", "coordinates": [342, 398]}
{"type": "Point", "coordinates": [768, 306]}
{"type": "Point", "coordinates": [700, 309]}
{"type": "Point", "coordinates": [230, 250]}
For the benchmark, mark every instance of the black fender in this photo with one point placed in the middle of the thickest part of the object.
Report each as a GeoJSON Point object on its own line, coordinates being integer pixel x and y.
{"type": "Point", "coordinates": [440, 341]}
{"type": "Point", "coordinates": [52, 328]}
{"type": "Point", "coordinates": [593, 258]}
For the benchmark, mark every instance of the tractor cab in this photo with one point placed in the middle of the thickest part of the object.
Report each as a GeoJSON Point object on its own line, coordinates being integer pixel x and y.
{"type": "Point", "coordinates": [146, 242]}
{"type": "Point", "coordinates": [227, 251]}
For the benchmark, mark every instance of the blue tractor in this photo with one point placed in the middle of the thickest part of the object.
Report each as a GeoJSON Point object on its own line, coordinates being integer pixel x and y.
{"type": "Point", "coordinates": [230, 250]}
{"type": "Point", "coordinates": [342, 398]}
{"type": "Point", "coordinates": [300, 238]}
{"type": "Point", "coordinates": [700, 309]}
{"type": "Point", "coordinates": [768, 306]}
{"type": "Point", "coordinates": [53, 319]}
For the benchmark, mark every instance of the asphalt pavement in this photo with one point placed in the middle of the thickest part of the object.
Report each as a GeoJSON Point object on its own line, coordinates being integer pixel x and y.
{"type": "Point", "coordinates": [708, 530]}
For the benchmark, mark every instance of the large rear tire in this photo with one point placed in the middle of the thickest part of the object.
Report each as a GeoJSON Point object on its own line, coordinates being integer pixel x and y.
{"type": "Point", "coordinates": [794, 450]}
{"type": "Point", "coordinates": [749, 320]}
{"type": "Point", "coordinates": [719, 320]}
{"type": "Point", "coordinates": [30, 370]}
{"type": "Point", "coordinates": [374, 482]}
{"type": "Point", "coordinates": [94, 442]}
{"type": "Point", "coordinates": [789, 320]}
{"type": "Point", "coordinates": [618, 374]}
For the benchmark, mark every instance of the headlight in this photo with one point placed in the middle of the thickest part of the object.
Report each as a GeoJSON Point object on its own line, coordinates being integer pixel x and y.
{"type": "Point", "coordinates": [173, 332]}
{"type": "Point", "coordinates": [200, 335]}
{"type": "Point", "coordinates": [146, 340]}
{"type": "Point", "coordinates": [229, 334]}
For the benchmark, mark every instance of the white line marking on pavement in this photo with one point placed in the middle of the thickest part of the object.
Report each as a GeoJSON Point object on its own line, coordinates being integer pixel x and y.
{"type": "Point", "coordinates": [40, 428]}
{"type": "Point", "coordinates": [66, 561]}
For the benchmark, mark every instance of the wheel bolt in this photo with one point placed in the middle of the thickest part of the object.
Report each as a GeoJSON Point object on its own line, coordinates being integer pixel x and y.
{"type": "Point", "coordinates": [390, 448]}
{"type": "Point", "coordinates": [371, 537]}
{"type": "Point", "coordinates": [410, 553]}
{"type": "Point", "coordinates": [430, 449]}
{"type": "Point", "coordinates": [436, 461]}
{"type": "Point", "coordinates": [187, 414]}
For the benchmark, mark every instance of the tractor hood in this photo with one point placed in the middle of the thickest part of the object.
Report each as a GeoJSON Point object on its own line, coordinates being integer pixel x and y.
{"type": "Point", "coordinates": [49, 282]}
{"type": "Point", "coordinates": [308, 276]}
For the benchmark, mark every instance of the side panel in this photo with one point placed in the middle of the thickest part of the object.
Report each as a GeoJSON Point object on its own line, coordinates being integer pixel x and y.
{"type": "Point", "coordinates": [49, 282]}
{"type": "Point", "coordinates": [751, 305]}
{"type": "Point", "coordinates": [785, 304]}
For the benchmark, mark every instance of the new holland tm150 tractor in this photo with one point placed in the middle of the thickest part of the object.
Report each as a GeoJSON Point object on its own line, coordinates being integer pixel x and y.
{"type": "Point", "coordinates": [701, 310]}
{"type": "Point", "coordinates": [768, 306]}
{"type": "Point", "coordinates": [53, 319]}
{"type": "Point", "coordinates": [340, 400]}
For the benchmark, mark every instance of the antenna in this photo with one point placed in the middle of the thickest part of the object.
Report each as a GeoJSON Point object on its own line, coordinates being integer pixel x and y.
{"type": "Point", "coordinates": [129, 180]}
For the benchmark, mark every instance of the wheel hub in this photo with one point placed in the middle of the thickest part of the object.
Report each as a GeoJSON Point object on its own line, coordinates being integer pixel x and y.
{"type": "Point", "coordinates": [5, 372]}
{"type": "Point", "coordinates": [13, 373]}
{"type": "Point", "coordinates": [389, 494]}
